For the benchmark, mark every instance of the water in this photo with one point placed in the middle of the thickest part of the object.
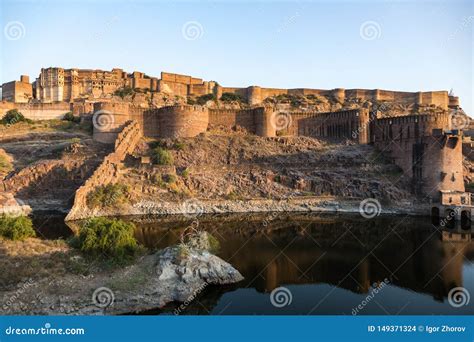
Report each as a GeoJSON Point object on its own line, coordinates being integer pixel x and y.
{"type": "Point", "coordinates": [327, 264]}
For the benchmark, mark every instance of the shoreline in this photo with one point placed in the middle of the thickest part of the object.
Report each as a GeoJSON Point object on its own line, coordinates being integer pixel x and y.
{"type": "Point", "coordinates": [193, 208]}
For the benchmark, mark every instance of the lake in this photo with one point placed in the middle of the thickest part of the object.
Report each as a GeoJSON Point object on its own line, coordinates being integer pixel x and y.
{"type": "Point", "coordinates": [300, 264]}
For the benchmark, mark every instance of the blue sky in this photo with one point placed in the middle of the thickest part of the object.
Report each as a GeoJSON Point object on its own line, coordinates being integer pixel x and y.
{"type": "Point", "coordinates": [408, 45]}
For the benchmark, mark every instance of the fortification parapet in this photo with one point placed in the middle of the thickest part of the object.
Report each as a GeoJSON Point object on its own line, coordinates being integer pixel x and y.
{"type": "Point", "coordinates": [182, 121]}
{"type": "Point", "coordinates": [453, 102]}
{"type": "Point", "coordinates": [254, 95]}
{"type": "Point", "coordinates": [108, 120]}
{"type": "Point", "coordinates": [265, 122]}
{"type": "Point", "coordinates": [339, 94]}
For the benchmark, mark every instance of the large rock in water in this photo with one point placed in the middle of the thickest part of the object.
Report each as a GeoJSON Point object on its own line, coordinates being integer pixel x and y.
{"type": "Point", "coordinates": [175, 274]}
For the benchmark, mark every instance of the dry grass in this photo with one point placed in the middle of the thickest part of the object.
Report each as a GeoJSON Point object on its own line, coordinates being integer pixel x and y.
{"type": "Point", "coordinates": [31, 259]}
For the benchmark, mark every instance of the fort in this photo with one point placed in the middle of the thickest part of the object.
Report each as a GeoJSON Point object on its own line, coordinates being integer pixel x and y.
{"type": "Point", "coordinates": [420, 141]}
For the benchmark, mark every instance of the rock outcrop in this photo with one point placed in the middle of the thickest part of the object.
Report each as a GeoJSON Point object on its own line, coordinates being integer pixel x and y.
{"type": "Point", "coordinates": [175, 274]}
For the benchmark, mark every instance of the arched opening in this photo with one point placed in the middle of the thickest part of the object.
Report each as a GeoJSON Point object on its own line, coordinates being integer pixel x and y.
{"type": "Point", "coordinates": [465, 219]}
{"type": "Point", "coordinates": [435, 216]}
{"type": "Point", "coordinates": [450, 218]}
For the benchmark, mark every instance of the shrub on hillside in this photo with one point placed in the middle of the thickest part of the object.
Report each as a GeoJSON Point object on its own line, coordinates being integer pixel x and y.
{"type": "Point", "coordinates": [107, 195]}
{"type": "Point", "coordinates": [162, 156]}
{"type": "Point", "coordinates": [123, 92]}
{"type": "Point", "coordinates": [16, 228]}
{"type": "Point", "coordinates": [12, 117]}
{"type": "Point", "coordinates": [229, 97]}
{"type": "Point", "coordinates": [202, 100]}
{"type": "Point", "coordinates": [70, 117]}
{"type": "Point", "coordinates": [107, 237]}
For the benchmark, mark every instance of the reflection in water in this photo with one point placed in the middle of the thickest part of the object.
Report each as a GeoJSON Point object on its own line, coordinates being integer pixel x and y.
{"type": "Point", "coordinates": [330, 263]}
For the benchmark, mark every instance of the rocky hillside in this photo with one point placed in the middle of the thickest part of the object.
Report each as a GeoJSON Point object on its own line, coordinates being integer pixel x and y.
{"type": "Point", "coordinates": [47, 165]}
{"type": "Point", "coordinates": [238, 166]}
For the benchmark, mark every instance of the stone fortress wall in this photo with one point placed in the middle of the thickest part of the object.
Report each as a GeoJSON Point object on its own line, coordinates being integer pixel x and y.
{"type": "Point", "coordinates": [421, 145]}
{"type": "Point", "coordinates": [66, 85]}
{"type": "Point", "coordinates": [37, 111]}
{"type": "Point", "coordinates": [425, 148]}
{"type": "Point", "coordinates": [106, 173]}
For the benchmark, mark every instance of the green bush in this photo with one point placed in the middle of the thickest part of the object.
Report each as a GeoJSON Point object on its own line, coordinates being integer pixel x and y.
{"type": "Point", "coordinates": [12, 117]}
{"type": "Point", "coordinates": [70, 117]}
{"type": "Point", "coordinates": [229, 97]}
{"type": "Point", "coordinates": [16, 228]}
{"type": "Point", "coordinates": [170, 178]}
{"type": "Point", "coordinates": [107, 196]}
{"type": "Point", "coordinates": [202, 100]}
{"type": "Point", "coordinates": [123, 92]}
{"type": "Point", "coordinates": [179, 145]}
{"type": "Point", "coordinates": [107, 237]}
{"type": "Point", "coordinates": [185, 173]}
{"type": "Point", "coordinates": [162, 156]}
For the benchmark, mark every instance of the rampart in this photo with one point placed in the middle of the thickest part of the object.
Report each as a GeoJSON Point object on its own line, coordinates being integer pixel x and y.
{"type": "Point", "coordinates": [341, 125]}
{"type": "Point", "coordinates": [425, 148]}
{"type": "Point", "coordinates": [37, 111]}
{"type": "Point", "coordinates": [125, 144]}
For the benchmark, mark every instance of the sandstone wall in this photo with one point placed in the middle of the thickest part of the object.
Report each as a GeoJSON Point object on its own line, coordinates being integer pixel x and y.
{"type": "Point", "coordinates": [419, 145]}
{"type": "Point", "coordinates": [110, 118]}
{"type": "Point", "coordinates": [347, 124]}
{"type": "Point", "coordinates": [181, 121]}
{"type": "Point", "coordinates": [17, 91]}
{"type": "Point", "coordinates": [37, 111]}
{"type": "Point", "coordinates": [255, 120]}
{"type": "Point", "coordinates": [256, 95]}
{"type": "Point", "coordinates": [106, 173]}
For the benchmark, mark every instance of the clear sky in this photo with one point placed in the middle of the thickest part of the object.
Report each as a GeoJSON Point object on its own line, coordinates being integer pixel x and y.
{"type": "Point", "coordinates": [396, 45]}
